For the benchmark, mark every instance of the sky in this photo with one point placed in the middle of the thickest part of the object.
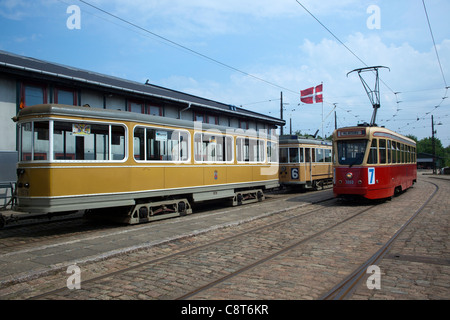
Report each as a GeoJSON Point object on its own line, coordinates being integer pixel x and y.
{"type": "Point", "coordinates": [249, 52]}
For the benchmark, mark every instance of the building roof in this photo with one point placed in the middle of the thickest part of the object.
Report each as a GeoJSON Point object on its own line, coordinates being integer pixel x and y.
{"type": "Point", "coordinates": [12, 63]}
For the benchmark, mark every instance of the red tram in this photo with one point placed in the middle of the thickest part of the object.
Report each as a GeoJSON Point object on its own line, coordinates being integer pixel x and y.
{"type": "Point", "coordinates": [372, 162]}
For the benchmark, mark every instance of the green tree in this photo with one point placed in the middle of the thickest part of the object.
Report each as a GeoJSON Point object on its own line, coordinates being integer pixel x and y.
{"type": "Point", "coordinates": [425, 145]}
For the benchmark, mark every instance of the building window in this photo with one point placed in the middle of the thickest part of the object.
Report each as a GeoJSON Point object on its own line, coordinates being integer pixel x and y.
{"type": "Point", "coordinates": [243, 124]}
{"type": "Point", "coordinates": [199, 117]}
{"type": "Point", "coordinates": [66, 96]}
{"type": "Point", "coordinates": [205, 118]}
{"type": "Point", "coordinates": [33, 94]}
{"type": "Point", "coordinates": [154, 110]}
{"type": "Point", "coordinates": [213, 119]}
{"type": "Point", "coordinates": [135, 107]}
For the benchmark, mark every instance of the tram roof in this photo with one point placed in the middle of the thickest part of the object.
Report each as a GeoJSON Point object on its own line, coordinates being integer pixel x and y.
{"type": "Point", "coordinates": [293, 139]}
{"type": "Point", "coordinates": [382, 130]}
{"type": "Point", "coordinates": [19, 64]}
{"type": "Point", "coordinates": [43, 110]}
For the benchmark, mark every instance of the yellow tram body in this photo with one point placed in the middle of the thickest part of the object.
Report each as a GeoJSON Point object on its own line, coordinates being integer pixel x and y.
{"type": "Point", "coordinates": [76, 158]}
{"type": "Point", "coordinates": [305, 162]}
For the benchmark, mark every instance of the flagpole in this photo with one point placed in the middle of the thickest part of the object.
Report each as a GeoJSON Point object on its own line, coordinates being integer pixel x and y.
{"type": "Point", "coordinates": [323, 137]}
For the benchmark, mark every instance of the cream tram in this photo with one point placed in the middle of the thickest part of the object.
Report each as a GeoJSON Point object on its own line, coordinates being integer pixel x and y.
{"type": "Point", "coordinates": [305, 163]}
{"type": "Point", "coordinates": [77, 158]}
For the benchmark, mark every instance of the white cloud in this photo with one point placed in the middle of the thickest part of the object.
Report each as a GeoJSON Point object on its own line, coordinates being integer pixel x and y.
{"type": "Point", "coordinates": [412, 74]}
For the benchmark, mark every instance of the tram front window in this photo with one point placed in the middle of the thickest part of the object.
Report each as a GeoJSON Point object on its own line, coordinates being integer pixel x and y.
{"type": "Point", "coordinates": [351, 152]}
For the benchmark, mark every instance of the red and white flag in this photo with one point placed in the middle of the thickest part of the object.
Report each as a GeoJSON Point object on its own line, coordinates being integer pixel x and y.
{"type": "Point", "coordinates": [311, 95]}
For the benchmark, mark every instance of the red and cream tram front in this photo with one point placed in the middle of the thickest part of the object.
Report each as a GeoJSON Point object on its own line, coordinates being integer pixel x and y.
{"type": "Point", "coordinates": [372, 162]}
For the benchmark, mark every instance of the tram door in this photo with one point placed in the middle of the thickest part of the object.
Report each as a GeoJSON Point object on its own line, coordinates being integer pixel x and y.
{"type": "Point", "coordinates": [308, 164]}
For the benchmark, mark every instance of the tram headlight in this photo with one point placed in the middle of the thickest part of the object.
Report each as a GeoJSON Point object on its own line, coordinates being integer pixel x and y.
{"type": "Point", "coordinates": [349, 175]}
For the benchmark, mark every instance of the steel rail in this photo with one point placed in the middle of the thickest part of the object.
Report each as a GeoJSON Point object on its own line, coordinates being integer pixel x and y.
{"type": "Point", "coordinates": [188, 251]}
{"type": "Point", "coordinates": [269, 257]}
{"type": "Point", "coordinates": [346, 287]}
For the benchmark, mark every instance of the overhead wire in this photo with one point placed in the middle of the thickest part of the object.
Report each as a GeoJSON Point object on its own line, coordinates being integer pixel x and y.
{"type": "Point", "coordinates": [183, 47]}
{"type": "Point", "coordinates": [434, 43]}
{"type": "Point", "coordinates": [446, 87]}
{"type": "Point", "coordinates": [346, 47]}
{"type": "Point", "coordinates": [186, 48]}
{"type": "Point", "coordinates": [339, 40]}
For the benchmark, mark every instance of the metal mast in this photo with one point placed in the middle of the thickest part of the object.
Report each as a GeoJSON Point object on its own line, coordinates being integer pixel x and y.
{"type": "Point", "coordinates": [374, 95]}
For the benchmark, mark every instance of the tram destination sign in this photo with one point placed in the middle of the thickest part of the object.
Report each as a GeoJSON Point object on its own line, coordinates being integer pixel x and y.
{"type": "Point", "coordinates": [351, 133]}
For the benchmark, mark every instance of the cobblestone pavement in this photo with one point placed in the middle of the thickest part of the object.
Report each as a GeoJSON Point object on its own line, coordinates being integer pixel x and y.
{"type": "Point", "coordinates": [417, 267]}
{"type": "Point", "coordinates": [418, 264]}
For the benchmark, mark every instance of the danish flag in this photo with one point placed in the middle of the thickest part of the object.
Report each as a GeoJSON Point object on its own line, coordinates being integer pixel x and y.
{"type": "Point", "coordinates": [314, 93]}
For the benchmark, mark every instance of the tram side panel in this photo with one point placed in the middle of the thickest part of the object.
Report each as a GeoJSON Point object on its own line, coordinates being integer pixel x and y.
{"type": "Point", "coordinates": [300, 166]}
{"type": "Point", "coordinates": [55, 175]}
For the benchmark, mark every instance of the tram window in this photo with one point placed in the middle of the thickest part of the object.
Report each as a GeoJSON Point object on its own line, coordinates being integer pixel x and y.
{"type": "Point", "coordinates": [373, 153]}
{"type": "Point", "coordinates": [139, 144]}
{"type": "Point", "coordinates": [26, 133]}
{"type": "Point", "coordinates": [41, 141]}
{"type": "Point", "coordinates": [406, 153]}
{"type": "Point", "coordinates": [272, 152]}
{"type": "Point", "coordinates": [327, 155]}
{"type": "Point", "coordinates": [389, 151]}
{"type": "Point", "coordinates": [308, 154]}
{"type": "Point", "coordinates": [162, 145]}
{"type": "Point", "coordinates": [394, 152]}
{"type": "Point", "coordinates": [284, 155]}
{"type": "Point", "coordinates": [178, 145]}
{"type": "Point", "coordinates": [250, 150]}
{"type": "Point", "coordinates": [351, 152]}
{"type": "Point", "coordinates": [320, 155]}
{"type": "Point", "coordinates": [294, 155]}
{"type": "Point", "coordinates": [117, 143]}
{"type": "Point", "coordinates": [399, 154]}
{"type": "Point", "coordinates": [409, 154]}
{"type": "Point", "coordinates": [302, 157]}
{"type": "Point", "coordinates": [35, 141]}
{"type": "Point", "coordinates": [74, 141]}
{"type": "Point", "coordinates": [261, 150]}
{"type": "Point", "coordinates": [213, 148]}
{"type": "Point", "coordinates": [382, 150]}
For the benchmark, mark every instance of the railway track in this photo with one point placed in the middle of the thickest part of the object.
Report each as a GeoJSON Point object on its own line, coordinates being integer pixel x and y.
{"type": "Point", "coordinates": [346, 287]}
{"type": "Point", "coordinates": [190, 251]}
{"type": "Point", "coordinates": [276, 237]}
{"type": "Point", "coordinates": [37, 230]}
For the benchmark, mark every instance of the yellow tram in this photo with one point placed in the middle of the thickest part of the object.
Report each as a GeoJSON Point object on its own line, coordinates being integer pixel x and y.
{"type": "Point", "coordinates": [305, 163]}
{"type": "Point", "coordinates": [78, 158]}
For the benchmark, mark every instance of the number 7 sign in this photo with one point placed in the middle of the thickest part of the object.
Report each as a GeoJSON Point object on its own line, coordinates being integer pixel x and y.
{"type": "Point", "coordinates": [371, 175]}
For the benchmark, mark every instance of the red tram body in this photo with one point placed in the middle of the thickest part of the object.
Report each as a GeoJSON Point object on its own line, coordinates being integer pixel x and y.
{"type": "Point", "coordinates": [372, 162]}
